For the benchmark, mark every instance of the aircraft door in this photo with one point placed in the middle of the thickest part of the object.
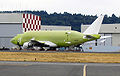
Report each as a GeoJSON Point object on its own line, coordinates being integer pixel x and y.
{"type": "Point", "coordinates": [67, 40]}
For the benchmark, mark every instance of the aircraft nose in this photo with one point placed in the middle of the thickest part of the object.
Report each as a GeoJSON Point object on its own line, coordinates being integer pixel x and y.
{"type": "Point", "coordinates": [13, 41]}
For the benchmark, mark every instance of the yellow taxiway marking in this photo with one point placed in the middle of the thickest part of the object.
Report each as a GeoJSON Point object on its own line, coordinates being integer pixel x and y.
{"type": "Point", "coordinates": [84, 70]}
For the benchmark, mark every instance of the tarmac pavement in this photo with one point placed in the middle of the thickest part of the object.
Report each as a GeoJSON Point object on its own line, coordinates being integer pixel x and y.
{"type": "Point", "coordinates": [58, 69]}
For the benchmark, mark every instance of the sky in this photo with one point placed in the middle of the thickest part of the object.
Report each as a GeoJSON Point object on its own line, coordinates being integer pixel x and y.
{"type": "Point", "coordinates": [87, 7]}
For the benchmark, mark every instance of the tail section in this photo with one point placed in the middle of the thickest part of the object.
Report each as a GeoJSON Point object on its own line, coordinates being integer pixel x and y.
{"type": "Point", "coordinates": [95, 26]}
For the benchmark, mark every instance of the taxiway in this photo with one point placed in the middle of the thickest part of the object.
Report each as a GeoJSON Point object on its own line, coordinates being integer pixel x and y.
{"type": "Point", "coordinates": [58, 69]}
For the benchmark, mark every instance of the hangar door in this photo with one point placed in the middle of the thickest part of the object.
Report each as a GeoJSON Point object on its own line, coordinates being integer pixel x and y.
{"type": "Point", "coordinates": [7, 32]}
{"type": "Point", "coordinates": [107, 42]}
{"type": "Point", "coordinates": [5, 42]}
{"type": "Point", "coordinates": [10, 29]}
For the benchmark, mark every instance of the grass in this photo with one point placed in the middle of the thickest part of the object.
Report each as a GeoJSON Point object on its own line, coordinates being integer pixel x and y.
{"type": "Point", "coordinates": [61, 57]}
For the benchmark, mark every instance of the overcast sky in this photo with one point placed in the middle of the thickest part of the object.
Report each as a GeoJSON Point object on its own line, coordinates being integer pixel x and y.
{"type": "Point", "coordinates": [87, 7]}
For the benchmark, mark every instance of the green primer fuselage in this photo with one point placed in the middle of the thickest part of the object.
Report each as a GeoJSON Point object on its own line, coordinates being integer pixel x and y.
{"type": "Point", "coordinates": [60, 38]}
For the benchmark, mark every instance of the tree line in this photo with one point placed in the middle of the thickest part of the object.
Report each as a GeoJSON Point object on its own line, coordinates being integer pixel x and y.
{"type": "Point", "coordinates": [68, 19]}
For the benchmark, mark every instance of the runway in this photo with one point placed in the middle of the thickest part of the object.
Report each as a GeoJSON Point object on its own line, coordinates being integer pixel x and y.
{"type": "Point", "coordinates": [57, 69]}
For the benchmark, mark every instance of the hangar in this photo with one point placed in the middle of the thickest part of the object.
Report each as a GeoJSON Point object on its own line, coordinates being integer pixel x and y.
{"type": "Point", "coordinates": [12, 24]}
{"type": "Point", "coordinates": [107, 30]}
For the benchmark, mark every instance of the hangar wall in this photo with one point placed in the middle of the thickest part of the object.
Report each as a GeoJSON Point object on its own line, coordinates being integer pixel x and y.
{"type": "Point", "coordinates": [10, 25]}
{"type": "Point", "coordinates": [8, 31]}
{"type": "Point", "coordinates": [11, 18]}
{"type": "Point", "coordinates": [116, 39]}
{"type": "Point", "coordinates": [53, 27]}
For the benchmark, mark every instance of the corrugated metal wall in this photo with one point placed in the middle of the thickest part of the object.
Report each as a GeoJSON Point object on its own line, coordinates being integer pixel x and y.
{"type": "Point", "coordinates": [8, 31]}
{"type": "Point", "coordinates": [99, 41]}
{"type": "Point", "coordinates": [116, 39]}
{"type": "Point", "coordinates": [5, 42]}
{"type": "Point", "coordinates": [50, 27]}
{"type": "Point", "coordinates": [108, 41]}
{"type": "Point", "coordinates": [11, 18]}
{"type": "Point", "coordinates": [105, 28]}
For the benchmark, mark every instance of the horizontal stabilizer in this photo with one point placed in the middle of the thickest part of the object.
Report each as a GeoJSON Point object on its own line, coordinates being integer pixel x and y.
{"type": "Point", "coordinates": [93, 42]}
{"type": "Point", "coordinates": [102, 41]}
{"type": "Point", "coordinates": [104, 37]}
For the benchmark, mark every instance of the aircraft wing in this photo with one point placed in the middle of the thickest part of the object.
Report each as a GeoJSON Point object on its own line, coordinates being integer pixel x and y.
{"type": "Point", "coordinates": [43, 43]}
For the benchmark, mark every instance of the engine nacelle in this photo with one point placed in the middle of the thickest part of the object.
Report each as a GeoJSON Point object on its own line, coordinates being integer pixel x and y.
{"type": "Point", "coordinates": [27, 45]}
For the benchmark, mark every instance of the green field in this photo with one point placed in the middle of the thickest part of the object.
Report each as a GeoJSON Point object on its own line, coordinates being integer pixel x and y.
{"type": "Point", "coordinates": [61, 57]}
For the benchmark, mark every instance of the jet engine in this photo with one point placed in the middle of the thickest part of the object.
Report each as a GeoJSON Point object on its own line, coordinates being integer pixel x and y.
{"type": "Point", "coordinates": [27, 45]}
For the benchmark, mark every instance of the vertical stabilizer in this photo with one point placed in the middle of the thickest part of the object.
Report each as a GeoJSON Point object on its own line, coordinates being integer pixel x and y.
{"type": "Point", "coordinates": [95, 26]}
